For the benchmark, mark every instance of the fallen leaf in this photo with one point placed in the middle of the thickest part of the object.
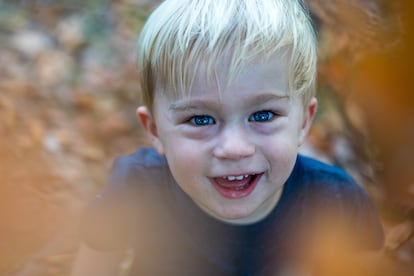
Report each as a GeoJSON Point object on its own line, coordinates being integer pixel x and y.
{"type": "Point", "coordinates": [398, 235]}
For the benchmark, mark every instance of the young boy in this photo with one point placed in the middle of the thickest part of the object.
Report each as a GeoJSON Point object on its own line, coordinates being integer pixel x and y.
{"type": "Point", "coordinates": [228, 89]}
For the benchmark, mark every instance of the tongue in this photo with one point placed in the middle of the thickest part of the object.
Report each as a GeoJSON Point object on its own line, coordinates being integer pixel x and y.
{"type": "Point", "coordinates": [235, 184]}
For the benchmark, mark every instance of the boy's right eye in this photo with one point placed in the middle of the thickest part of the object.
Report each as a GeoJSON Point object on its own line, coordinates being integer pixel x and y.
{"type": "Point", "coordinates": [202, 120]}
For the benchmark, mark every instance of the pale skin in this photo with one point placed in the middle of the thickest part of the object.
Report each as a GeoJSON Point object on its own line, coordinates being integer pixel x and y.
{"type": "Point", "coordinates": [254, 127]}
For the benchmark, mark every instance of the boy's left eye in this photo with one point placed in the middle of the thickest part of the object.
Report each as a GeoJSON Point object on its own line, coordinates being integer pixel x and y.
{"type": "Point", "coordinates": [261, 116]}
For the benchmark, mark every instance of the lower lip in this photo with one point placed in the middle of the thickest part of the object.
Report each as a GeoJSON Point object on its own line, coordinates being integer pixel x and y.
{"type": "Point", "coordinates": [237, 194]}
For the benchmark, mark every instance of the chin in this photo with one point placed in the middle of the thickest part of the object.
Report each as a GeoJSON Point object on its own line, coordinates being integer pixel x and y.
{"type": "Point", "coordinates": [237, 217]}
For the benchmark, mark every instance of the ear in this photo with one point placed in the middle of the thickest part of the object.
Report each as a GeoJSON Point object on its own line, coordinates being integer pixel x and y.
{"type": "Point", "coordinates": [146, 118]}
{"type": "Point", "coordinates": [309, 114]}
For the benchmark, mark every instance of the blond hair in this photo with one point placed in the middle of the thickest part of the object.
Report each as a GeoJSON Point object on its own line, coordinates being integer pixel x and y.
{"type": "Point", "coordinates": [182, 34]}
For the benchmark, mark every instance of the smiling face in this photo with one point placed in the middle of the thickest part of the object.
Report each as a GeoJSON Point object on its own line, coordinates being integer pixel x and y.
{"type": "Point", "coordinates": [232, 150]}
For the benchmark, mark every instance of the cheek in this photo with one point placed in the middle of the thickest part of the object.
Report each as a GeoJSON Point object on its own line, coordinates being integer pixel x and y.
{"type": "Point", "coordinates": [281, 143]}
{"type": "Point", "coordinates": [186, 161]}
{"type": "Point", "coordinates": [281, 153]}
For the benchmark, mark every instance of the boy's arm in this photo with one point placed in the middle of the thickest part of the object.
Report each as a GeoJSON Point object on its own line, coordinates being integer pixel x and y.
{"type": "Point", "coordinates": [93, 262]}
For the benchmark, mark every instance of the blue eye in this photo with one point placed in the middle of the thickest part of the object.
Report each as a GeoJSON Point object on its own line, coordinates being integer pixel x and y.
{"type": "Point", "coordinates": [261, 116]}
{"type": "Point", "coordinates": [202, 120]}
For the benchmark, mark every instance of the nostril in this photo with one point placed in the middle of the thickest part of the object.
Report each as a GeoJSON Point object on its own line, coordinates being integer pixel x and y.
{"type": "Point", "coordinates": [234, 152]}
{"type": "Point", "coordinates": [233, 143]}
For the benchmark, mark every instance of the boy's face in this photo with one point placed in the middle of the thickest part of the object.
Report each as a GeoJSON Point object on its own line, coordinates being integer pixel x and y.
{"type": "Point", "coordinates": [232, 150]}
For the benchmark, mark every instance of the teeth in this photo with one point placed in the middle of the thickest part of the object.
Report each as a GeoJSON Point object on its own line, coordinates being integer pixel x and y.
{"type": "Point", "coordinates": [232, 177]}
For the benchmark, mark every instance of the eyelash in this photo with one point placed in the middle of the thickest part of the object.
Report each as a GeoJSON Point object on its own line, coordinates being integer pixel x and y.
{"type": "Point", "coordinates": [261, 116]}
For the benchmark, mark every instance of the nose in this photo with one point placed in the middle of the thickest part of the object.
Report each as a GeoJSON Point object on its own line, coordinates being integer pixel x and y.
{"type": "Point", "coordinates": [233, 144]}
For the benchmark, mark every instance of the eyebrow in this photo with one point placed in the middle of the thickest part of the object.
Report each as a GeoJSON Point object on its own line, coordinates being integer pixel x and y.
{"type": "Point", "coordinates": [191, 104]}
{"type": "Point", "coordinates": [185, 105]}
{"type": "Point", "coordinates": [266, 97]}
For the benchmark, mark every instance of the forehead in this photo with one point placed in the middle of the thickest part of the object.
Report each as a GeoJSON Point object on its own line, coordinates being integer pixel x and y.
{"type": "Point", "coordinates": [264, 74]}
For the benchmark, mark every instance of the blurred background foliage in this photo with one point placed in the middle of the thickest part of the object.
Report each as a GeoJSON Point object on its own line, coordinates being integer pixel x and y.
{"type": "Point", "coordinates": [69, 89]}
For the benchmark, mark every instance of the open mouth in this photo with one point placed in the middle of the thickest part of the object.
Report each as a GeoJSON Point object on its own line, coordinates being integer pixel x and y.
{"type": "Point", "coordinates": [236, 186]}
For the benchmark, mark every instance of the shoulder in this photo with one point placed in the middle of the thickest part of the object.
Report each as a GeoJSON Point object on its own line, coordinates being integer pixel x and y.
{"type": "Point", "coordinates": [128, 197]}
{"type": "Point", "coordinates": [330, 190]}
{"type": "Point", "coordinates": [142, 158]}
{"type": "Point", "coordinates": [144, 164]}
{"type": "Point", "coordinates": [316, 169]}
{"type": "Point", "coordinates": [314, 174]}
{"type": "Point", "coordinates": [328, 184]}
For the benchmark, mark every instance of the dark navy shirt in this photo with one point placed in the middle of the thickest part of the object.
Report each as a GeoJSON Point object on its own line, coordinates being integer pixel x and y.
{"type": "Point", "coordinates": [143, 207]}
